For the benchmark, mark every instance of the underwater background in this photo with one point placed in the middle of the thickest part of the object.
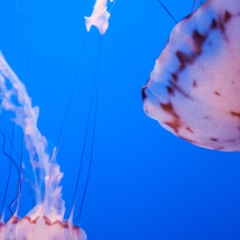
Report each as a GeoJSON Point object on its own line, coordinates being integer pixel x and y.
{"type": "Point", "coordinates": [145, 183]}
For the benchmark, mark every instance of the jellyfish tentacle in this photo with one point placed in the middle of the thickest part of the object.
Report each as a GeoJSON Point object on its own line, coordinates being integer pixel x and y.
{"type": "Point", "coordinates": [92, 112]}
{"type": "Point", "coordinates": [94, 128]}
{"type": "Point", "coordinates": [169, 13]}
{"type": "Point", "coordinates": [10, 167]}
{"type": "Point", "coordinates": [19, 191]}
{"type": "Point", "coordinates": [9, 138]}
{"type": "Point", "coordinates": [71, 94]}
{"type": "Point", "coordinates": [9, 172]}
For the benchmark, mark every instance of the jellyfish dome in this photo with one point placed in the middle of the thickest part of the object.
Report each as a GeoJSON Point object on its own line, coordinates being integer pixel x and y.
{"type": "Point", "coordinates": [194, 88]}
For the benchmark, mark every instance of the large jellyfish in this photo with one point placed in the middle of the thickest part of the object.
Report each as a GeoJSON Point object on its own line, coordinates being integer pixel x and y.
{"type": "Point", "coordinates": [46, 219]}
{"type": "Point", "coordinates": [193, 90]}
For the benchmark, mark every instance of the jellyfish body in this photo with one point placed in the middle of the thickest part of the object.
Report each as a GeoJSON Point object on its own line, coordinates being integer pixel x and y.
{"type": "Point", "coordinates": [194, 88]}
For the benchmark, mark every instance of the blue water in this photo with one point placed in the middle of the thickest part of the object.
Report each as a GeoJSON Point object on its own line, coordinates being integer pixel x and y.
{"type": "Point", "coordinates": [145, 183]}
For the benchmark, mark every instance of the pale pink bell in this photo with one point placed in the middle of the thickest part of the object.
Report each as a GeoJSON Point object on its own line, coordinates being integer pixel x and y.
{"type": "Point", "coordinates": [194, 89]}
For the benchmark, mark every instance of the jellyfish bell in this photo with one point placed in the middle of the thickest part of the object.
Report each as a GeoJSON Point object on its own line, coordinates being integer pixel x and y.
{"type": "Point", "coordinates": [193, 90]}
{"type": "Point", "coordinates": [45, 220]}
{"type": "Point", "coordinates": [40, 228]}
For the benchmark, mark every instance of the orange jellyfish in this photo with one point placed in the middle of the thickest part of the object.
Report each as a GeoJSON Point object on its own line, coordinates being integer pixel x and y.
{"type": "Point", "coordinates": [45, 221]}
{"type": "Point", "coordinates": [193, 90]}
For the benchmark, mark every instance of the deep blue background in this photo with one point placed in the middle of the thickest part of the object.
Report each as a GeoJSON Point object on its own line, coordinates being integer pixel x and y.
{"type": "Point", "coordinates": [145, 183]}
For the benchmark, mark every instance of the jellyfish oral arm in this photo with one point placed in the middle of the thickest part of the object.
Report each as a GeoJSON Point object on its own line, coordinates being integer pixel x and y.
{"type": "Point", "coordinates": [46, 187]}
{"type": "Point", "coordinates": [99, 17]}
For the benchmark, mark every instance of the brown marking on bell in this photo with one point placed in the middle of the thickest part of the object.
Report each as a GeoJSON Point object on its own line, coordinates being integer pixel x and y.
{"type": "Point", "coordinates": [144, 95]}
{"type": "Point", "coordinates": [189, 129]}
{"type": "Point", "coordinates": [184, 59]}
{"type": "Point", "coordinates": [47, 220]}
{"type": "Point", "coordinates": [214, 139]}
{"type": "Point", "coordinates": [35, 220]}
{"type": "Point", "coordinates": [235, 114]}
{"type": "Point", "coordinates": [217, 93]}
{"type": "Point", "coordinates": [194, 84]}
{"type": "Point", "coordinates": [214, 24]}
{"type": "Point", "coordinates": [170, 90]}
{"type": "Point", "coordinates": [227, 16]}
{"type": "Point", "coordinates": [15, 219]}
{"type": "Point", "coordinates": [198, 39]}
{"type": "Point", "coordinates": [65, 224]}
{"type": "Point", "coordinates": [168, 108]}
{"type": "Point", "coordinates": [175, 125]}
{"type": "Point", "coordinates": [175, 77]}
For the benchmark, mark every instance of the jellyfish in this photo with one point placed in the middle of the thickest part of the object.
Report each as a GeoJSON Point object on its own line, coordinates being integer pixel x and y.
{"type": "Point", "coordinates": [193, 90]}
{"type": "Point", "coordinates": [46, 219]}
